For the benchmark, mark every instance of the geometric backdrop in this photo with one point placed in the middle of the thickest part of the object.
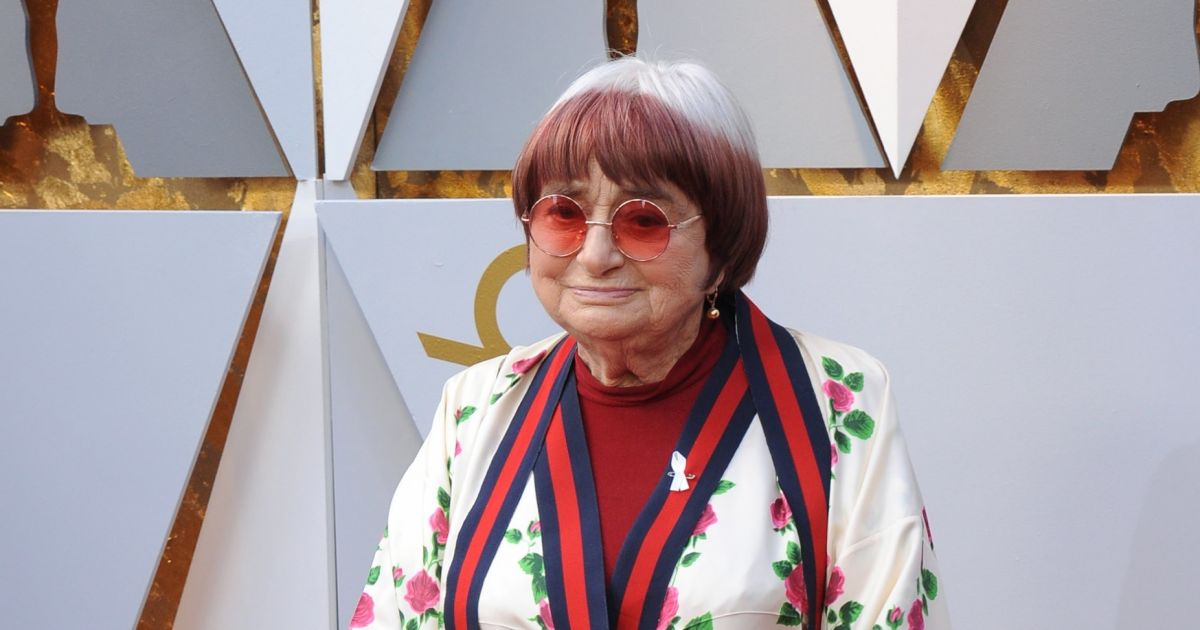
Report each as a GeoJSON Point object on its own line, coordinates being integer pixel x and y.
{"type": "Point", "coordinates": [115, 337]}
{"type": "Point", "coordinates": [1098, 78]}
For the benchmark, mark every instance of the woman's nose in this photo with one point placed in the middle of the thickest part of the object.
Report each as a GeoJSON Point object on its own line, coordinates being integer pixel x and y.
{"type": "Point", "coordinates": [599, 253]}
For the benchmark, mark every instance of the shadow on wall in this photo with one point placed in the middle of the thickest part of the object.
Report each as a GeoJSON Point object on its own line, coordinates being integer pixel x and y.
{"type": "Point", "coordinates": [1157, 569]}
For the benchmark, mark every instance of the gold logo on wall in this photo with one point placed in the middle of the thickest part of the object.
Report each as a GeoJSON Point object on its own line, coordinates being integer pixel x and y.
{"type": "Point", "coordinates": [510, 262]}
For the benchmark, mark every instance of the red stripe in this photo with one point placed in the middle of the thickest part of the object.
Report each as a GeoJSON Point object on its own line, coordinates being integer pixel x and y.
{"type": "Point", "coordinates": [656, 537]}
{"type": "Point", "coordinates": [570, 532]}
{"type": "Point", "coordinates": [799, 445]}
{"type": "Point", "coordinates": [512, 462]}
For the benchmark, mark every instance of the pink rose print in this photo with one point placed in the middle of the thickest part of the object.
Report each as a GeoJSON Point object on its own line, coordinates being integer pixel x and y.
{"type": "Point", "coordinates": [670, 608]}
{"type": "Point", "coordinates": [797, 590]}
{"type": "Point", "coordinates": [835, 586]}
{"type": "Point", "coordinates": [535, 526]}
{"type": "Point", "coordinates": [833, 460]}
{"type": "Point", "coordinates": [916, 617]}
{"type": "Point", "coordinates": [781, 514]}
{"type": "Point", "coordinates": [843, 398]}
{"type": "Point", "coordinates": [544, 614]}
{"type": "Point", "coordinates": [522, 366]}
{"type": "Point", "coordinates": [707, 518]}
{"type": "Point", "coordinates": [458, 449]}
{"type": "Point", "coordinates": [422, 592]}
{"type": "Point", "coordinates": [397, 573]}
{"type": "Point", "coordinates": [437, 521]}
{"type": "Point", "coordinates": [364, 612]}
{"type": "Point", "coordinates": [895, 616]}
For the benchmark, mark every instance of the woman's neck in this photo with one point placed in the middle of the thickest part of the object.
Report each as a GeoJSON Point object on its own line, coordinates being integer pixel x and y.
{"type": "Point", "coordinates": [636, 360]}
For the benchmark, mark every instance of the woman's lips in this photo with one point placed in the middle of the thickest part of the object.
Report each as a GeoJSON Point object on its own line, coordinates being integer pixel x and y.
{"type": "Point", "coordinates": [601, 294]}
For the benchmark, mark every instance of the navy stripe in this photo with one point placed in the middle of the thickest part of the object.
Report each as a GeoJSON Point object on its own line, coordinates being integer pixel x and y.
{"type": "Point", "coordinates": [589, 512]}
{"type": "Point", "coordinates": [814, 420]}
{"type": "Point", "coordinates": [785, 469]}
{"type": "Point", "coordinates": [543, 481]}
{"type": "Point", "coordinates": [471, 523]}
{"type": "Point", "coordinates": [702, 492]}
{"type": "Point", "coordinates": [691, 430]}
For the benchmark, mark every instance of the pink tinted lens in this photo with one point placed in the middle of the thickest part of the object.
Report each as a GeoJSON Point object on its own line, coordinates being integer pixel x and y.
{"type": "Point", "coordinates": [557, 225]}
{"type": "Point", "coordinates": [641, 229]}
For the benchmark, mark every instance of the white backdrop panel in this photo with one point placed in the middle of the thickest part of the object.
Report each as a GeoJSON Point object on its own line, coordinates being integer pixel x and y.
{"type": "Point", "coordinates": [1039, 347]}
{"type": "Point", "coordinates": [369, 421]}
{"type": "Point", "coordinates": [269, 513]}
{"type": "Point", "coordinates": [414, 266]}
{"type": "Point", "coordinates": [115, 337]}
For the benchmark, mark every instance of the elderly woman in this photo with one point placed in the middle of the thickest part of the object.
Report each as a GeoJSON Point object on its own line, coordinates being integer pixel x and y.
{"type": "Point", "coordinates": [676, 459]}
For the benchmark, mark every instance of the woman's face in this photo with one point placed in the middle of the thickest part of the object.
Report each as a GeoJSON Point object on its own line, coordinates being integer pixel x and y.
{"type": "Point", "coordinates": [599, 294]}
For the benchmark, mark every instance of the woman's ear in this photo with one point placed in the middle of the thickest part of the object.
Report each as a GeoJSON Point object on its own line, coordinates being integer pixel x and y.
{"type": "Point", "coordinates": [716, 284]}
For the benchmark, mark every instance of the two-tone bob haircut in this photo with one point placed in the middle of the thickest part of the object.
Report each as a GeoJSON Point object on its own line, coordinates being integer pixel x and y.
{"type": "Point", "coordinates": [649, 122]}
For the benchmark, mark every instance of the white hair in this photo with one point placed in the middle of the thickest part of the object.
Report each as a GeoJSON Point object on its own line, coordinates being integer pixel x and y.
{"type": "Point", "coordinates": [684, 86]}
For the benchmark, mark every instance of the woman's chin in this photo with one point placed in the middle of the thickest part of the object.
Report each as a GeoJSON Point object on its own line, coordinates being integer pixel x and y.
{"type": "Point", "coordinates": [602, 325]}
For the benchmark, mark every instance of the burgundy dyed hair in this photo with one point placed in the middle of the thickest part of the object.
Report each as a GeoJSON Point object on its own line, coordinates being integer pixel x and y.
{"type": "Point", "coordinates": [638, 141]}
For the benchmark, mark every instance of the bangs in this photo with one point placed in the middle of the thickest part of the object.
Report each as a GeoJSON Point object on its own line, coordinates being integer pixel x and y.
{"type": "Point", "coordinates": [636, 140]}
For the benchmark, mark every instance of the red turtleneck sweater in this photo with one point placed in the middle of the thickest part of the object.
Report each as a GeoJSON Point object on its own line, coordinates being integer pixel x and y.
{"type": "Point", "coordinates": [631, 433]}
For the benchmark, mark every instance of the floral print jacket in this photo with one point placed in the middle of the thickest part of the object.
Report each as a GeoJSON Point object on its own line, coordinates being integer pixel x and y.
{"type": "Point", "coordinates": [741, 567]}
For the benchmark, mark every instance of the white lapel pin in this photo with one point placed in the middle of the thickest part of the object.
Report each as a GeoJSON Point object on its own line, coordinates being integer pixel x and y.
{"type": "Point", "coordinates": [679, 478]}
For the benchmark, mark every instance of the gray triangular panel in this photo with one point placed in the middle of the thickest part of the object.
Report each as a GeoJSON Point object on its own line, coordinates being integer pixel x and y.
{"type": "Point", "coordinates": [481, 76]}
{"type": "Point", "coordinates": [1062, 80]}
{"type": "Point", "coordinates": [115, 337]}
{"type": "Point", "coordinates": [778, 58]}
{"type": "Point", "coordinates": [166, 77]}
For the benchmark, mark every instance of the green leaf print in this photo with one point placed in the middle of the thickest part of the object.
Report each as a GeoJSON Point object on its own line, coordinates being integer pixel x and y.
{"type": "Point", "coordinates": [513, 535]}
{"type": "Point", "coordinates": [532, 564]}
{"type": "Point", "coordinates": [789, 616]}
{"type": "Point", "coordinates": [859, 424]}
{"type": "Point", "coordinates": [793, 552]}
{"type": "Point", "coordinates": [690, 559]}
{"type": "Point", "coordinates": [539, 588]}
{"type": "Point", "coordinates": [782, 568]}
{"type": "Point", "coordinates": [832, 368]}
{"type": "Point", "coordinates": [373, 576]}
{"type": "Point", "coordinates": [723, 486]}
{"type": "Point", "coordinates": [843, 441]}
{"type": "Point", "coordinates": [831, 617]}
{"type": "Point", "coordinates": [412, 624]}
{"type": "Point", "coordinates": [854, 381]}
{"type": "Point", "coordinates": [463, 414]}
{"type": "Point", "coordinates": [444, 499]}
{"type": "Point", "coordinates": [929, 583]}
{"type": "Point", "coordinates": [850, 611]}
{"type": "Point", "coordinates": [703, 622]}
